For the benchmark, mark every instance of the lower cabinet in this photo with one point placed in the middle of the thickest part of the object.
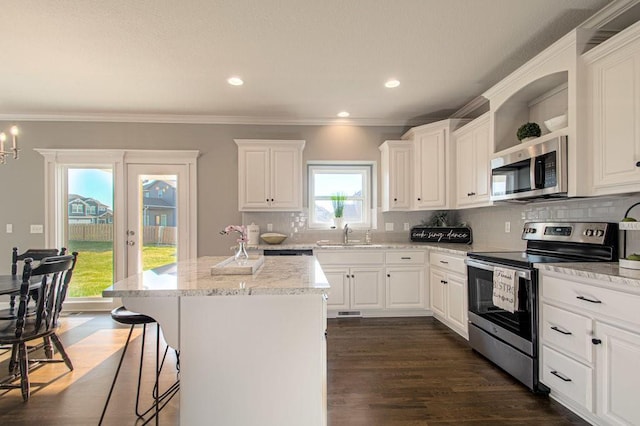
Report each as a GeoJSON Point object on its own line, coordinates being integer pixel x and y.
{"type": "Point", "coordinates": [590, 348]}
{"type": "Point", "coordinates": [375, 282]}
{"type": "Point", "coordinates": [405, 287]}
{"type": "Point", "coordinates": [355, 288]}
{"type": "Point", "coordinates": [448, 291]}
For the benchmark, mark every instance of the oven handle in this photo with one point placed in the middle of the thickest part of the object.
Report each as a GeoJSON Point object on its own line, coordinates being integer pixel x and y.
{"type": "Point", "coordinates": [522, 273]}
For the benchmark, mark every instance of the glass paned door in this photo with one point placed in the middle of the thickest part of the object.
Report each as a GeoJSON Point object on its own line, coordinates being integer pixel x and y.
{"type": "Point", "coordinates": [89, 229]}
{"type": "Point", "coordinates": [153, 212]}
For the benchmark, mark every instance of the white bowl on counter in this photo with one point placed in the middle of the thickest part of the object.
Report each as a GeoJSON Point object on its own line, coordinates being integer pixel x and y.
{"type": "Point", "coordinates": [556, 123]}
{"type": "Point", "coordinates": [273, 238]}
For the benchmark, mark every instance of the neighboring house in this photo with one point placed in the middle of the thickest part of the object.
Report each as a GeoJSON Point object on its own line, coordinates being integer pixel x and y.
{"type": "Point", "coordinates": [88, 210]}
{"type": "Point", "coordinates": [159, 203]}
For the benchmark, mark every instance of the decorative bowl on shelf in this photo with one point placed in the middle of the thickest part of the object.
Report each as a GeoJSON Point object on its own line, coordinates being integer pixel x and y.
{"type": "Point", "coordinates": [273, 238]}
{"type": "Point", "coordinates": [556, 123]}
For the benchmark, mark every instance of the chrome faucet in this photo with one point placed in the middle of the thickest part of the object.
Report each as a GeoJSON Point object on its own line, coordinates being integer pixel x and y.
{"type": "Point", "coordinates": [345, 234]}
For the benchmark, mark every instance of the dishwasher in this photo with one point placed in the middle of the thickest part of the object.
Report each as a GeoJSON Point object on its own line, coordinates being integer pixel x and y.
{"type": "Point", "coordinates": [288, 252]}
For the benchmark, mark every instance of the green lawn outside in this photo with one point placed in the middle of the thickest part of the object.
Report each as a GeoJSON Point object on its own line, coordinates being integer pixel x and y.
{"type": "Point", "coordinates": [94, 269]}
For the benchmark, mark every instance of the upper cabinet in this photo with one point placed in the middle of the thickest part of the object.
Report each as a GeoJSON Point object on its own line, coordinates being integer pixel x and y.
{"type": "Point", "coordinates": [613, 113]}
{"type": "Point", "coordinates": [472, 163]}
{"type": "Point", "coordinates": [547, 86]}
{"type": "Point", "coordinates": [434, 177]}
{"type": "Point", "coordinates": [397, 175]}
{"type": "Point", "coordinates": [269, 175]}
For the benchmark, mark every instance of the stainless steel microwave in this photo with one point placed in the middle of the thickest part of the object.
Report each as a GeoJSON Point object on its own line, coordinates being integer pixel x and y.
{"type": "Point", "coordinates": [535, 171]}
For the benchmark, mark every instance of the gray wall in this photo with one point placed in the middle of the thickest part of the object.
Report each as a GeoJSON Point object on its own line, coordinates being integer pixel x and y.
{"type": "Point", "coordinates": [21, 181]}
{"type": "Point", "coordinates": [22, 193]}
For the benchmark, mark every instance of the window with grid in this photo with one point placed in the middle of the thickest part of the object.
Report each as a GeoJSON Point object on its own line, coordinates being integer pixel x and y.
{"type": "Point", "coordinates": [352, 180]}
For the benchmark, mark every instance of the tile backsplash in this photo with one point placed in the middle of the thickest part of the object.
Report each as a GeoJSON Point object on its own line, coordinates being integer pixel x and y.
{"type": "Point", "coordinates": [487, 223]}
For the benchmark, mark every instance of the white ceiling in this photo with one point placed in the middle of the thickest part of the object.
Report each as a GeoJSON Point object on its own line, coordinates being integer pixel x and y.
{"type": "Point", "coordinates": [301, 60]}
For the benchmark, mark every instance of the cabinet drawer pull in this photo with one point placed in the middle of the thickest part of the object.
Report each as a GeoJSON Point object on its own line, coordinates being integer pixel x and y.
{"type": "Point", "coordinates": [405, 258]}
{"type": "Point", "coordinates": [596, 341]}
{"type": "Point", "coordinates": [443, 281]}
{"type": "Point", "coordinates": [565, 379]}
{"type": "Point", "coordinates": [566, 333]}
{"type": "Point", "coordinates": [588, 300]}
{"type": "Point", "coordinates": [444, 261]}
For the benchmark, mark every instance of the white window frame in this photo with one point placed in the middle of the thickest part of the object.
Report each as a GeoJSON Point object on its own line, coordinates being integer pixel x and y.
{"type": "Point", "coordinates": [369, 190]}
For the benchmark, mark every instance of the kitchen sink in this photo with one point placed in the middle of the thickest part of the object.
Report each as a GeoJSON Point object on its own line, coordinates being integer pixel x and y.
{"type": "Point", "coordinates": [333, 244]}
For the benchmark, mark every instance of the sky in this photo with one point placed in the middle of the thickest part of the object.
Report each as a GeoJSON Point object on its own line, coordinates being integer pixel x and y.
{"type": "Point", "coordinates": [94, 183]}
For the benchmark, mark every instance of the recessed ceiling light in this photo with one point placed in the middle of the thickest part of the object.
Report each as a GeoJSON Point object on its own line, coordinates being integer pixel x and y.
{"type": "Point", "coordinates": [392, 83]}
{"type": "Point", "coordinates": [235, 81]}
{"type": "Point", "coordinates": [343, 114]}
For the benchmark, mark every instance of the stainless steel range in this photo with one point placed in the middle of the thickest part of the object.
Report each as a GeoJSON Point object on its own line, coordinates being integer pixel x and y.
{"type": "Point", "coordinates": [510, 339]}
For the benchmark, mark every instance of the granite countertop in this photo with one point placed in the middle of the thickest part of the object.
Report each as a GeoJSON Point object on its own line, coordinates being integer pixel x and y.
{"type": "Point", "coordinates": [459, 249]}
{"type": "Point", "coordinates": [277, 276]}
{"type": "Point", "coordinates": [605, 272]}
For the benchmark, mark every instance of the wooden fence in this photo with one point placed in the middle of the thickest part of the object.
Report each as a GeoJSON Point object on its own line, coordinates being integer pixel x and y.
{"type": "Point", "coordinates": [164, 235]}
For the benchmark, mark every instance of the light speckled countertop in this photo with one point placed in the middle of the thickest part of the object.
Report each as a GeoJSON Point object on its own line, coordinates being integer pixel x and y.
{"type": "Point", "coordinates": [277, 276]}
{"type": "Point", "coordinates": [459, 249]}
{"type": "Point", "coordinates": [605, 272]}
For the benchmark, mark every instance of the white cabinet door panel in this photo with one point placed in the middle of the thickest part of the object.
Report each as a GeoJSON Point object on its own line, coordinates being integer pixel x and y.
{"type": "Point", "coordinates": [618, 358]}
{"type": "Point", "coordinates": [339, 292]}
{"type": "Point", "coordinates": [457, 303]}
{"type": "Point", "coordinates": [367, 289]}
{"type": "Point", "coordinates": [405, 288]}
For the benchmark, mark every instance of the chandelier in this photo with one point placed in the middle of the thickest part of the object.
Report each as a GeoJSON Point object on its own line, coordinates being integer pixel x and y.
{"type": "Point", "coordinates": [14, 144]}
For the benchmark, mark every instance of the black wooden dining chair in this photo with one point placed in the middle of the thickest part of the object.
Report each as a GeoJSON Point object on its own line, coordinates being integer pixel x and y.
{"type": "Point", "coordinates": [54, 273]}
{"type": "Point", "coordinates": [34, 254]}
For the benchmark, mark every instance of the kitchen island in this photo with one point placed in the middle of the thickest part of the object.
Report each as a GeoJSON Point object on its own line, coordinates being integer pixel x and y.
{"type": "Point", "coordinates": [252, 347]}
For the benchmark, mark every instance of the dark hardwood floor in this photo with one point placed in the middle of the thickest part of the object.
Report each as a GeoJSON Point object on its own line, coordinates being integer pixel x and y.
{"type": "Point", "coordinates": [398, 371]}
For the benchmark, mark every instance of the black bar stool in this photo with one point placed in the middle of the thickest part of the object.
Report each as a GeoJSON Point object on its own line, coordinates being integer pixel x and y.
{"type": "Point", "coordinates": [123, 316]}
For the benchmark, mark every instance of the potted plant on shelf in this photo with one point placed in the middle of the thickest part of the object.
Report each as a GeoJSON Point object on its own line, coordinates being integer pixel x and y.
{"type": "Point", "coordinates": [528, 131]}
{"type": "Point", "coordinates": [337, 200]}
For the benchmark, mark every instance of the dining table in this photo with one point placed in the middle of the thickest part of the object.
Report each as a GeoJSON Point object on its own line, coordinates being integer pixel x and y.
{"type": "Point", "coordinates": [10, 284]}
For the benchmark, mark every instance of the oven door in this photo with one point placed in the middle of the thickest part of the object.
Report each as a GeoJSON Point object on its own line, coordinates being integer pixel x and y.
{"type": "Point", "coordinates": [518, 328]}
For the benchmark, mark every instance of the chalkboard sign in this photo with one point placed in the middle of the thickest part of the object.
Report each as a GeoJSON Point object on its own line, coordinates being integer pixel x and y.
{"type": "Point", "coordinates": [445, 234]}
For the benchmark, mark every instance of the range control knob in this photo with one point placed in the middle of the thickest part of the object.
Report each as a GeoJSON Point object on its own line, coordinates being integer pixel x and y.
{"type": "Point", "coordinates": [599, 233]}
{"type": "Point", "coordinates": [589, 232]}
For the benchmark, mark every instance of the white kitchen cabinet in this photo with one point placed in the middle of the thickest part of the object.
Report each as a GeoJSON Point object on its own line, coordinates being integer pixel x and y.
{"type": "Point", "coordinates": [448, 291]}
{"type": "Point", "coordinates": [397, 175]}
{"type": "Point", "coordinates": [338, 294]}
{"type": "Point", "coordinates": [354, 288]}
{"type": "Point", "coordinates": [590, 347]}
{"type": "Point", "coordinates": [405, 286]}
{"type": "Point", "coordinates": [367, 287]}
{"type": "Point", "coordinates": [618, 375]}
{"type": "Point", "coordinates": [613, 93]}
{"type": "Point", "coordinates": [374, 282]}
{"type": "Point", "coordinates": [472, 163]}
{"type": "Point", "coordinates": [269, 175]}
{"type": "Point", "coordinates": [434, 178]}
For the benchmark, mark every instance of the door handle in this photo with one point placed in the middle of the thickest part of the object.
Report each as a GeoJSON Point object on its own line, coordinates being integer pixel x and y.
{"type": "Point", "coordinates": [131, 243]}
{"type": "Point", "coordinates": [566, 379]}
{"type": "Point", "coordinates": [566, 333]}
{"type": "Point", "coordinates": [129, 232]}
{"type": "Point", "coordinates": [588, 300]}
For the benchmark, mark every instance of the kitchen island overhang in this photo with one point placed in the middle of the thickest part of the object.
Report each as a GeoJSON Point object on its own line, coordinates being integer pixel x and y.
{"type": "Point", "coordinates": [252, 347]}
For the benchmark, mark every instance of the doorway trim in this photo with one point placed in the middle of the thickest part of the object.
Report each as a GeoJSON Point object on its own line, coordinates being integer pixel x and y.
{"type": "Point", "coordinates": [55, 213]}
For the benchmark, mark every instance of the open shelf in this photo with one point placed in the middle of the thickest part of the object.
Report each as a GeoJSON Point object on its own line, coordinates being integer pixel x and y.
{"type": "Point", "coordinates": [540, 100]}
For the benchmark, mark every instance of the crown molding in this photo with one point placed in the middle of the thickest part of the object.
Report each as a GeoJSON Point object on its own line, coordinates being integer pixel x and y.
{"type": "Point", "coordinates": [608, 13]}
{"type": "Point", "coordinates": [202, 119]}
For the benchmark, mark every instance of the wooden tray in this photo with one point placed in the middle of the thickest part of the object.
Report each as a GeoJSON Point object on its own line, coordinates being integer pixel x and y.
{"type": "Point", "coordinates": [231, 267]}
